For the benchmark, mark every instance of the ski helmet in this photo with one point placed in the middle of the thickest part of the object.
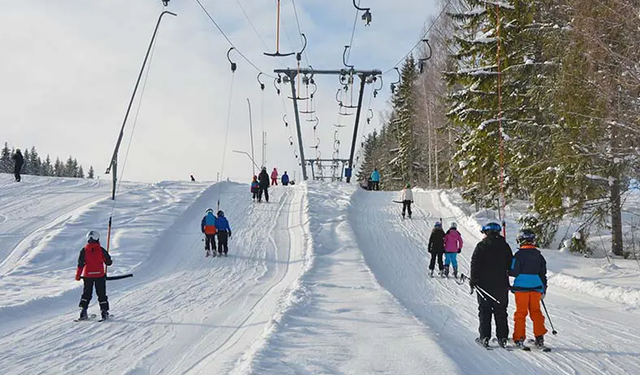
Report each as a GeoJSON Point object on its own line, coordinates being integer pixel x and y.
{"type": "Point", "coordinates": [408, 186]}
{"type": "Point", "coordinates": [454, 225]}
{"type": "Point", "coordinates": [93, 235]}
{"type": "Point", "coordinates": [220, 213]}
{"type": "Point", "coordinates": [437, 225]}
{"type": "Point", "coordinates": [209, 210]}
{"type": "Point", "coordinates": [491, 228]}
{"type": "Point", "coordinates": [526, 236]}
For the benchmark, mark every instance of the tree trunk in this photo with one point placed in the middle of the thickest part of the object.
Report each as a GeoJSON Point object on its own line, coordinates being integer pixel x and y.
{"type": "Point", "coordinates": [616, 218]}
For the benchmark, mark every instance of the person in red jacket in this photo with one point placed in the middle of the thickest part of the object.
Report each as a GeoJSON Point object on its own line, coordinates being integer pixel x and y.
{"type": "Point", "coordinates": [91, 266]}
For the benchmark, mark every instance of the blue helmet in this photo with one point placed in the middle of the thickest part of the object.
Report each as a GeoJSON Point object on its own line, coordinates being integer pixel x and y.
{"type": "Point", "coordinates": [491, 228]}
{"type": "Point", "coordinates": [526, 236]}
{"type": "Point", "coordinates": [437, 225]}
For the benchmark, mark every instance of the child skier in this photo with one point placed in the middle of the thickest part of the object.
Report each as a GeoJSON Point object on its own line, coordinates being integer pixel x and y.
{"type": "Point", "coordinates": [529, 287]}
{"type": "Point", "coordinates": [224, 233]}
{"type": "Point", "coordinates": [274, 177]}
{"type": "Point", "coordinates": [436, 248]}
{"type": "Point", "coordinates": [407, 199]}
{"type": "Point", "coordinates": [452, 246]}
{"type": "Point", "coordinates": [91, 265]}
{"type": "Point", "coordinates": [208, 227]}
{"type": "Point", "coordinates": [255, 188]}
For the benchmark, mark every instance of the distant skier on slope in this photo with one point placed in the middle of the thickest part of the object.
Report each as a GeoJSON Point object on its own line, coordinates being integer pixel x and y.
{"type": "Point", "coordinates": [91, 265]}
{"type": "Point", "coordinates": [224, 233]}
{"type": "Point", "coordinates": [285, 179]}
{"type": "Point", "coordinates": [529, 287]}
{"type": "Point", "coordinates": [452, 246]}
{"type": "Point", "coordinates": [19, 161]}
{"type": "Point", "coordinates": [255, 188]}
{"type": "Point", "coordinates": [490, 264]}
{"type": "Point", "coordinates": [208, 227]}
{"type": "Point", "coordinates": [436, 248]}
{"type": "Point", "coordinates": [407, 199]}
{"type": "Point", "coordinates": [274, 176]}
{"type": "Point", "coordinates": [375, 180]}
{"type": "Point", "coordinates": [263, 179]}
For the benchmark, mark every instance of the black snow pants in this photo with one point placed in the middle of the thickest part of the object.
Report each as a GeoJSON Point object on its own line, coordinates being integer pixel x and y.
{"type": "Point", "coordinates": [488, 308]}
{"type": "Point", "coordinates": [100, 284]}
{"type": "Point", "coordinates": [406, 206]}
{"type": "Point", "coordinates": [210, 242]}
{"type": "Point", "coordinates": [264, 191]}
{"type": "Point", "coordinates": [223, 239]}
{"type": "Point", "coordinates": [16, 172]}
{"type": "Point", "coordinates": [432, 263]}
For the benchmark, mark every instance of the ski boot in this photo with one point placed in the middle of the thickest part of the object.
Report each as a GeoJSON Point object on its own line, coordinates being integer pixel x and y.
{"type": "Point", "coordinates": [206, 254]}
{"type": "Point", "coordinates": [104, 315]}
{"type": "Point", "coordinates": [520, 345]}
{"type": "Point", "coordinates": [539, 342]}
{"type": "Point", "coordinates": [430, 273]}
{"type": "Point", "coordinates": [502, 342]}
{"type": "Point", "coordinates": [483, 341]}
{"type": "Point", "coordinates": [83, 315]}
{"type": "Point", "coordinates": [455, 273]}
{"type": "Point", "coordinates": [446, 271]}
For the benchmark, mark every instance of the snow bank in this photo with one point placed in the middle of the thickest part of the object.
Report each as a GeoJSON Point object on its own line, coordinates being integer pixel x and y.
{"type": "Point", "coordinates": [623, 295]}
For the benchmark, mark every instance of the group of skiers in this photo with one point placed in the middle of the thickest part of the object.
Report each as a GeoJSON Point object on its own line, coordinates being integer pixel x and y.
{"type": "Point", "coordinates": [260, 183]}
{"type": "Point", "coordinates": [492, 263]}
{"type": "Point", "coordinates": [212, 226]}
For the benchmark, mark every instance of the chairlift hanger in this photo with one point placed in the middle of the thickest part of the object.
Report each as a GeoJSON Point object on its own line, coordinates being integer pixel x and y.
{"type": "Point", "coordinates": [299, 54]}
{"type": "Point", "coordinates": [422, 61]}
{"type": "Point", "coordinates": [369, 116]}
{"type": "Point", "coordinates": [284, 118]}
{"type": "Point", "coordinates": [234, 66]}
{"type": "Point", "coordinates": [260, 82]}
{"type": "Point", "coordinates": [276, 83]}
{"type": "Point", "coordinates": [377, 90]}
{"type": "Point", "coordinates": [344, 57]}
{"type": "Point", "coordinates": [394, 84]}
{"type": "Point", "coordinates": [291, 140]}
{"type": "Point", "coordinates": [277, 53]}
{"type": "Point", "coordinates": [366, 17]}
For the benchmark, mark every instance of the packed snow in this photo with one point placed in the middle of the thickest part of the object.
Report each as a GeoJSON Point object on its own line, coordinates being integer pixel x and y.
{"type": "Point", "coordinates": [326, 278]}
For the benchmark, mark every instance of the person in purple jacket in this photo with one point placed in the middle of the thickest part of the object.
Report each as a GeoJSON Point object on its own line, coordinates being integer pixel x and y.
{"type": "Point", "coordinates": [452, 246]}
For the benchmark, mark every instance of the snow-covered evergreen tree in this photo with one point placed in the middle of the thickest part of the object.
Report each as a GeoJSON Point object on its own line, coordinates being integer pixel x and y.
{"type": "Point", "coordinates": [91, 173]}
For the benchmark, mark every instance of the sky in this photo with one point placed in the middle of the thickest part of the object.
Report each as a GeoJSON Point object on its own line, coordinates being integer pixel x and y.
{"type": "Point", "coordinates": [69, 67]}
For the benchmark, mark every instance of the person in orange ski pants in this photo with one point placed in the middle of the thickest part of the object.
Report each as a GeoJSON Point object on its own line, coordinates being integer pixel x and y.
{"type": "Point", "coordinates": [529, 287]}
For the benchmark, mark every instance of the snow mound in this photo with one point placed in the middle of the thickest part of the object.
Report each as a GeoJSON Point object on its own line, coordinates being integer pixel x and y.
{"type": "Point", "coordinates": [619, 294]}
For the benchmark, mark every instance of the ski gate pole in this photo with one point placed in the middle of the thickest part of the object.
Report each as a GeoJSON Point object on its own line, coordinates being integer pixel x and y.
{"type": "Point", "coordinates": [553, 330]}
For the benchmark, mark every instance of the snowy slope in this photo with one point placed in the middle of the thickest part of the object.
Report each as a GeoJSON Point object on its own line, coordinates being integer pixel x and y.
{"type": "Point", "coordinates": [324, 279]}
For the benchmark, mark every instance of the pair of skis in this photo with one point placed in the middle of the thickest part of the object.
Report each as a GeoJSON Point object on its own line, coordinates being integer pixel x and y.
{"type": "Point", "coordinates": [214, 254]}
{"type": "Point", "coordinates": [512, 347]}
{"type": "Point", "coordinates": [92, 317]}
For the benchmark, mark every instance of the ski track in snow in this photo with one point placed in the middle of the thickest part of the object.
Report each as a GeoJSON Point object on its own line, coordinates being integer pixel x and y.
{"type": "Point", "coordinates": [595, 337]}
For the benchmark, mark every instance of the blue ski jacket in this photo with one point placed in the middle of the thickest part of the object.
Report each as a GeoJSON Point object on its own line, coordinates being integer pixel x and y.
{"type": "Point", "coordinates": [530, 270]}
{"type": "Point", "coordinates": [222, 224]}
{"type": "Point", "coordinates": [375, 176]}
{"type": "Point", "coordinates": [285, 178]}
{"type": "Point", "coordinates": [209, 220]}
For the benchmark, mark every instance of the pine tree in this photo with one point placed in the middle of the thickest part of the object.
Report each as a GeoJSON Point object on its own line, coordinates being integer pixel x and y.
{"type": "Point", "coordinates": [80, 172]}
{"type": "Point", "coordinates": [47, 168]}
{"type": "Point", "coordinates": [58, 168]}
{"type": "Point", "coordinates": [6, 164]}
{"type": "Point", "coordinates": [26, 167]}
{"type": "Point", "coordinates": [36, 162]}
{"type": "Point", "coordinates": [91, 173]}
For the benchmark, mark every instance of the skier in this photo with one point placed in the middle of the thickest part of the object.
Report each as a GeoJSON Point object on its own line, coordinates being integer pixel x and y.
{"type": "Point", "coordinates": [407, 199]}
{"type": "Point", "coordinates": [436, 248]}
{"type": "Point", "coordinates": [285, 179]}
{"type": "Point", "coordinates": [452, 246]}
{"type": "Point", "coordinates": [375, 179]}
{"type": "Point", "coordinates": [91, 265]}
{"type": "Point", "coordinates": [193, 179]}
{"type": "Point", "coordinates": [263, 180]}
{"type": "Point", "coordinates": [529, 287]}
{"type": "Point", "coordinates": [255, 188]}
{"type": "Point", "coordinates": [208, 227]}
{"type": "Point", "coordinates": [274, 176]}
{"type": "Point", "coordinates": [19, 161]}
{"type": "Point", "coordinates": [224, 233]}
{"type": "Point", "coordinates": [490, 264]}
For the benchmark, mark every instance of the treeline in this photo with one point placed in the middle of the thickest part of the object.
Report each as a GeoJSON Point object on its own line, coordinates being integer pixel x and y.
{"type": "Point", "coordinates": [558, 79]}
{"type": "Point", "coordinates": [34, 165]}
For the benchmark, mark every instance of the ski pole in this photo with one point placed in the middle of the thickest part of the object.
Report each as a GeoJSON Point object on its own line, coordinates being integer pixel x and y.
{"type": "Point", "coordinates": [553, 330]}
{"type": "Point", "coordinates": [487, 294]}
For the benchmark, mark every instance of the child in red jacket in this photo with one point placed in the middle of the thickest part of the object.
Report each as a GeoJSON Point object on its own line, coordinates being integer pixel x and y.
{"type": "Point", "coordinates": [91, 265]}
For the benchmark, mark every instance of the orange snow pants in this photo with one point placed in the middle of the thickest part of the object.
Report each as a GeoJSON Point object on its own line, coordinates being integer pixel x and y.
{"type": "Point", "coordinates": [528, 303]}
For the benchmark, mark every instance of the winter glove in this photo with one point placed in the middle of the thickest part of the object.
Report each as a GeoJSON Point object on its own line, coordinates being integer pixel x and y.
{"type": "Point", "coordinates": [78, 273]}
{"type": "Point", "coordinates": [459, 251]}
{"type": "Point", "coordinates": [542, 297]}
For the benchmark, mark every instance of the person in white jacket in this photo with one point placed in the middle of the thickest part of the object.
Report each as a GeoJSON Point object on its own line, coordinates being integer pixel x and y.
{"type": "Point", "coordinates": [407, 199]}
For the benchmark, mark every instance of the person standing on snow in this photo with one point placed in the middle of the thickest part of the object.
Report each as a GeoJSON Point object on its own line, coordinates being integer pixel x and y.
{"type": "Point", "coordinates": [407, 199]}
{"type": "Point", "coordinates": [224, 233]}
{"type": "Point", "coordinates": [208, 227]}
{"type": "Point", "coordinates": [529, 287]}
{"type": "Point", "coordinates": [19, 161]}
{"type": "Point", "coordinates": [375, 179]}
{"type": "Point", "coordinates": [285, 179]}
{"type": "Point", "coordinates": [91, 266]}
{"type": "Point", "coordinates": [263, 180]}
{"type": "Point", "coordinates": [452, 246]}
{"type": "Point", "coordinates": [255, 188]}
{"type": "Point", "coordinates": [274, 177]}
{"type": "Point", "coordinates": [436, 248]}
{"type": "Point", "coordinates": [490, 264]}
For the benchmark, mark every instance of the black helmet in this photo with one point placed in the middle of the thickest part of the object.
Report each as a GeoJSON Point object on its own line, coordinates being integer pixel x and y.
{"type": "Point", "coordinates": [491, 228]}
{"type": "Point", "coordinates": [209, 210]}
{"type": "Point", "coordinates": [220, 213]}
{"type": "Point", "coordinates": [526, 236]}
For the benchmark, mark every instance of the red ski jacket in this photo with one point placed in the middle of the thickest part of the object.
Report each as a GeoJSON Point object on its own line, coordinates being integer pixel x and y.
{"type": "Point", "coordinates": [92, 260]}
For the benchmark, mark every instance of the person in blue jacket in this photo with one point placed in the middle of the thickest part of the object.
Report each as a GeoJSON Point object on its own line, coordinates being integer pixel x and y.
{"type": "Point", "coordinates": [285, 179]}
{"type": "Point", "coordinates": [375, 179]}
{"type": "Point", "coordinates": [224, 233]}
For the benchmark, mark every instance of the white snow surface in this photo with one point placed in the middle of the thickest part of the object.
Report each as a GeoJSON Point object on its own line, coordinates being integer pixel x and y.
{"type": "Point", "coordinates": [323, 279]}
